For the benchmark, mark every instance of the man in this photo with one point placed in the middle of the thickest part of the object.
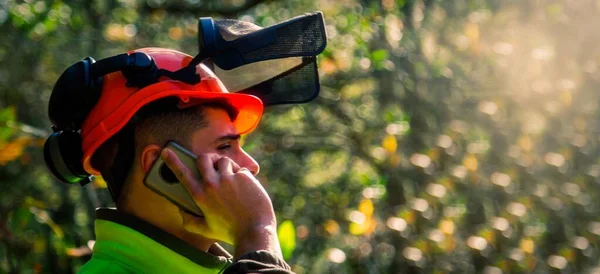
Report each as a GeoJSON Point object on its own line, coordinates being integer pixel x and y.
{"type": "Point", "coordinates": [123, 135]}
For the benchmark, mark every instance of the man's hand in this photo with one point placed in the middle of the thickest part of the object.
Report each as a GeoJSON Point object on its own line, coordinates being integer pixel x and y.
{"type": "Point", "coordinates": [236, 207]}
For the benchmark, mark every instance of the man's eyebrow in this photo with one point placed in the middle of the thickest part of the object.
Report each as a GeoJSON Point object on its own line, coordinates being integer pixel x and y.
{"type": "Point", "coordinates": [228, 137]}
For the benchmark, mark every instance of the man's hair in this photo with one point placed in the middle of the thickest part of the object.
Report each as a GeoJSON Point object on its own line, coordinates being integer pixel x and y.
{"type": "Point", "coordinates": [156, 123]}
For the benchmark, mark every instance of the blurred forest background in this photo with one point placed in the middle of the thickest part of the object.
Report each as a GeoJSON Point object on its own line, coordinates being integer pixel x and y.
{"type": "Point", "coordinates": [450, 136]}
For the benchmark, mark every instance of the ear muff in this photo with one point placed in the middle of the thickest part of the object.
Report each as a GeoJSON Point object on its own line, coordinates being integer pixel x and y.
{"type": "Point", "coordinates": [79, 88]}
{"type": "Point", "coordinates": [74, 95]}
{"type": "Point", "coordinates": [62, 154]}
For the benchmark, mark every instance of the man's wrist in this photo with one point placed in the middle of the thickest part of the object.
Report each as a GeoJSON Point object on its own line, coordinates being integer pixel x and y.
{"type": "Point", "coordinates": [260, 238]}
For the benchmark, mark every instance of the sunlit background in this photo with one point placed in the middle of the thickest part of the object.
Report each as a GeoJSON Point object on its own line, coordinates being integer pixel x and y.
{"type": "Point", "coordinates": [449, 137]}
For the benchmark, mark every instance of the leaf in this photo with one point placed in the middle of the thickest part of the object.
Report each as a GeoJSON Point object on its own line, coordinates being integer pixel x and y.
{"type": "Point", "coordinates": [379, 55]}
{"type": "Point", "coordinates": [20, 219]}
{"type": "Point", "coordinates": [5, 133]}
{"type": "Point", "coordinates": [367, 227]}
{"type": "Point", "coordinates": [366, 207]}
{"type": "Point", "coordinates": [389, 143]}
{"type": "Point", "coordinates": [332, 227]}
{"type": "Point", "coordinates": [527, 245]}
{"type": "Point", "coordinates": [287, 238]}
{"type": "Point", "coordinates": [566, 97]}
{"type": "Point", "coordinates": [472, 32]}
{"type": "Point", "coordinates": [14, 149]}
{"type": "Point", "coordinates": [362, 219]}
{"type": "Point", "coordinates": [7, 115]}
{"type": "Point", "coordinates": [470, 162]}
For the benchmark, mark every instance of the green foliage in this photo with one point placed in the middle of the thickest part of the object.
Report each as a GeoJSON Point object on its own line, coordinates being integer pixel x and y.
{"type": "Point", "coordinates": [287, 238]}
{"type": "Point", "coordinates": [449, 136]}
{"type": "Point", "coordinates": [7, 116]}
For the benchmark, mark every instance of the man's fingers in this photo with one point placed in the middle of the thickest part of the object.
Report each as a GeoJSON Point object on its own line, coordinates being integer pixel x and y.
{"type": "Point", "coordinates": [206, 167]}
{"type": "Point", "coordinates": [225, 166]}
{"type": "Point", "coordinates": [235, 167]}
{"type": "Point", "coordinates": [246, 172]}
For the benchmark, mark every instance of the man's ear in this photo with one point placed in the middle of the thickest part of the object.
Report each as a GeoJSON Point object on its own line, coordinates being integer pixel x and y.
{"type": "Point", "coordinates": [149, 155]}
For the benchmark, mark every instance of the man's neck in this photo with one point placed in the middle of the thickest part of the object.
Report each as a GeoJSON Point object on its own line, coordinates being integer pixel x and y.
{"type": "Point", "coordinates": [150, 207]}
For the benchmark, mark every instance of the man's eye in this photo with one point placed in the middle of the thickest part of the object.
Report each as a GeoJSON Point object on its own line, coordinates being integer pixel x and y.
{"type": "Point", "coordinates": [224, 147]}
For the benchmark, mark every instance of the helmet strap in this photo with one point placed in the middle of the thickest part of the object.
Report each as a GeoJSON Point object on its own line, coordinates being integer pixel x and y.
{"type": "Point", "coordinates": [116, 175]}
{"type": "Point", "coordinates": [187, 75]}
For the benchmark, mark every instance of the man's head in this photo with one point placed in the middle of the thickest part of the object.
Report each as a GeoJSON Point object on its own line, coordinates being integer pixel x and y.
{"type": "Point", "coordinates": [123, 133]}
{"type": "Point", "coordinates": [111, 101]}
{"type": "Point", "coordinates": [112, 118]}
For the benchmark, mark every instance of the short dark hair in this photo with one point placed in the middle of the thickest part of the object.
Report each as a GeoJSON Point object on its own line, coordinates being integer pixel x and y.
{"type": "Point", "coordinates": [158, 123]}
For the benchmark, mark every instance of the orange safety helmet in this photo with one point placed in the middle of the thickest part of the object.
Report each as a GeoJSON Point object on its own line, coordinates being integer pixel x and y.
{"type": "Point", "coordinates": [118, 102]}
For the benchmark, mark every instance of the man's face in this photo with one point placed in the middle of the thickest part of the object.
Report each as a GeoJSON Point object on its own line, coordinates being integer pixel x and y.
{"type": "Point", "coordinates": [221, 137]}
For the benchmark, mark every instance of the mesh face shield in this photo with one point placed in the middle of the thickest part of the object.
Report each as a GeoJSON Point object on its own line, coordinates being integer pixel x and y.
{"type": "Point", "coordinates": [277, 63]}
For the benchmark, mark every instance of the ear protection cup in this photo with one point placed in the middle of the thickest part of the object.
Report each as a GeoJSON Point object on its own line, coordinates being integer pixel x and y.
{"type": "Point", "coordinates": [62, 154]}
{"type": "Point", "coordinates": [74, 95]}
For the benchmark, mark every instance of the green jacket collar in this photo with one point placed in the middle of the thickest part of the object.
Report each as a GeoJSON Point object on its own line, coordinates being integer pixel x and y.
{"type": "Point", "coordinates": [145, 248]}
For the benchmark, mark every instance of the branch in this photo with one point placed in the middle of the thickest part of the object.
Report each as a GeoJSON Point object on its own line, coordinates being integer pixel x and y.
{"type": "Point", "coordinates": [28, 129]}
{"type": "Point", "coordinates": [179, 8]}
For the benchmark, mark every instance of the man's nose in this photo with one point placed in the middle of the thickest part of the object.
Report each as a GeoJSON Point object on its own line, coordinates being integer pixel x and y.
{"type": "Point", "coordinates": [245, 160]}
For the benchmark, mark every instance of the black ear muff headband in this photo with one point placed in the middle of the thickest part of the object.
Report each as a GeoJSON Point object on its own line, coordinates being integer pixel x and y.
{"type": "Point", "coordinates": [78, 88]}
{"type": "Point", "coordinates": [74, 95]}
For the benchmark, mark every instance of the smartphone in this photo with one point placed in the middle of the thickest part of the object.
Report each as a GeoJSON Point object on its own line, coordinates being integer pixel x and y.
{"type": "Point", "coordinates": [163, 181]}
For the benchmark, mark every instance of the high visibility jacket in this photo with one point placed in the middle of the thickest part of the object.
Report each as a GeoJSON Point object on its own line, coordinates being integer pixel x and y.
{"type": "Point", "coordinates": [125, 244]}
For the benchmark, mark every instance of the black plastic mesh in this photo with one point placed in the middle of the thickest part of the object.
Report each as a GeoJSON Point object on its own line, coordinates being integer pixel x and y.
{"type": "Point", "coordinates": [298, 85]}
{"type": "Point", "coordinates": [299, 36]}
